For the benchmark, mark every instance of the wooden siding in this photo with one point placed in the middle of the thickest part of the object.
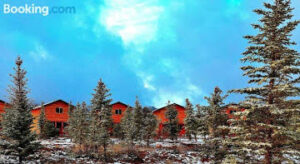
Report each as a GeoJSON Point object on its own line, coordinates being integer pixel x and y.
{"type": "Point", "coordinates": [117, 117]}
{"type": "Point", "coordinates": [160, 116]}
{"type": "Point", "coordinates": [51, 115]}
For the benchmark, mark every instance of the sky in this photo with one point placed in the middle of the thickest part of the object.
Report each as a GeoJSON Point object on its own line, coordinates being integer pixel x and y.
{"type": "Point", "coordinates": [156, 50]}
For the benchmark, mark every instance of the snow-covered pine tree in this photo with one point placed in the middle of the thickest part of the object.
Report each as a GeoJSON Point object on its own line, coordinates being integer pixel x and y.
{"type": "Point", "coordinates": [127, 123]}
{"type": "Point", "coordinates": [201, 117]}
{"type": "Point", "coordinates": [50, 130]}
{"type": "Point", "coordinates": [104, 129]}
{"type": "Point", "coordinates": [172, 125]}
{"type": "Point", "coordinates": [118, 131]}
{"type": "Point", "coordinates": [101, 101]}
{"type": "Point", "coordinates": [190, 122]}
{"type": "Point", "coordinates": [215, 119]}
{"type": "Point", "coordinates": [18, 120]}
{"type": "Point", "coordinates": [149, 125]}
{"type": "Point", "coordinates": [138, 120]}
{"type": "Point", "coordinates": [77, 128]}
{"type": "Point", "coordinates": [42, 121]}
{"type": "Point", "coordinates": [101, 98]}
{"type": "Point", "coordinates": [273, 69]}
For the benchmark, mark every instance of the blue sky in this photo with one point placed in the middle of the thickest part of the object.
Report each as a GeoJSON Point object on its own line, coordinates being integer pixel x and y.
{"type": "Point", "coordinates": [156, 50]}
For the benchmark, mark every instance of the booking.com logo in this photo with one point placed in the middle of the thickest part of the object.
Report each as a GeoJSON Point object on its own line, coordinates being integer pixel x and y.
{"type": "Point", "coordinates": [42, 10]}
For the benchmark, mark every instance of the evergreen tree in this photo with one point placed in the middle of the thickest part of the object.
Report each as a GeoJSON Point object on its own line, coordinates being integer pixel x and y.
{"type": "Point", "coordinates": [127, 123]}
{"type": "Point", "coordinates": [172, 125]}
{"type": "Point", "coordinates": [273, 69]}
{"type": "Point", "coordinates": [18, 120]}
{"type": "Point", "coordinates": [215, 119]}
{"type": "Point", "coordinates": [42, 121]}
{"type": "Point", "coordinates": [104, 128]}
{"type": "Point", "coordinates": [77, 128]}
{"type": "Point", "coordinates": [149, 125]}
{"type": "Point", "coordinates": [202, 125]}
{"type": "Point", "coordinates": [118, 131]}
{"type": "Point", "coordinates": [190, 122]}
{"type": "Point", "coordinates": [50, 130]}
{"type": "Point", "coordinates": [47, 128]}
{"type": "Point", "coordinates": [101, 101]}
{"type": "Point", "coordinates": [137, 113]}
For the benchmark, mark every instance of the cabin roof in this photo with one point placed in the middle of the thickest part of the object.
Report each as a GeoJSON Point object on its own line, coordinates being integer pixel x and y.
{"type": "Point", "coordinates": [46, 104]}
{"type": "Point", "coordinates": [174, 104]}
{"type": "Point", "coordinates": [119, 102]}
{"type": "Point", "coordinates": [2, 101]}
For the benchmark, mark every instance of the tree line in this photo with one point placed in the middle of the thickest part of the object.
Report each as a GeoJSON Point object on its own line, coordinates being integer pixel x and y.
{"type": "Point", "coordinates": [268, 129]}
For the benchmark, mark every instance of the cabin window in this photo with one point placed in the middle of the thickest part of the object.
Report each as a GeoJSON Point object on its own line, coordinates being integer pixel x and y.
{"type": "Point", "coordinates": [232, 111]}
{"type": "Point", "coordinates": [118, 111]}
{"type": "Point", "coordinates": [59, 110]}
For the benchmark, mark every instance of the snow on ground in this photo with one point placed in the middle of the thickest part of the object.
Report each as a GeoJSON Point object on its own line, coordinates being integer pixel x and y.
{"type": "Point", "coordinates": [57, 150]}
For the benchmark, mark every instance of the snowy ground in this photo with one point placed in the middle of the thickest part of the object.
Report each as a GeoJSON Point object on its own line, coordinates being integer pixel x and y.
{"type": "Point", "coordinates": [59, 151]}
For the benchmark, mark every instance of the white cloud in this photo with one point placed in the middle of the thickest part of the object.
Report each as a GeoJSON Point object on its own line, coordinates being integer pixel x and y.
{"type": "Point", "coordinates": [135, 21]}
{"type": "Point", "coordinates": [39, 53]}
{"type": "Point", "coordinates": [147, 80]}
{"type": "Point", "coordinates": [177, 96]}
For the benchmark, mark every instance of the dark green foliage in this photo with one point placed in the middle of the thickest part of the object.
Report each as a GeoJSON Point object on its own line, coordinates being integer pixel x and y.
{"type": "Point", "coordinates": [201, 117]}
{"type": "Point", "coordinates": [117, 131]}
{"type": "Point", "coordinates": [78, 127]}
{"type": "Point", "coordinates": [171, 128]}
{"type": "Point", "coordinates": [18, 120]}
{"type": "Point", "coordinates": [190, 122]}
{"type": "Point", "coordinates": [272, 67]}
{"type": "Point", "coordinates": [42, 121]}
{"type": "Point", "coordinates": [127, 126]}
{"type": "Point", "coordinates": [149, 125]}
{"type": "Point", "coordinates": [138, 120]}
{"type": "Point", "coordinates": [215, 119]}
{"type": "Point", "coordinates": [104, 128]}
{"type": "Point", "coordinates": [50, 130]}
{"type": "Point", "coordinates": [100, 121]}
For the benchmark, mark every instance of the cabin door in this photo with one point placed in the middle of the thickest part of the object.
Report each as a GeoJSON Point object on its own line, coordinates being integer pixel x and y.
{"type": "Point", "coordinates": [60, 127]}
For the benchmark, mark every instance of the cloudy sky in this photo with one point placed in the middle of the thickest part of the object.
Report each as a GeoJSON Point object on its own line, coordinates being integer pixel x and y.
{"type": "Point", "coordinates": [158, 50]}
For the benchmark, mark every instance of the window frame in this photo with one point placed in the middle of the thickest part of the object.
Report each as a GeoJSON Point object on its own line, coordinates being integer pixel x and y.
{"type": "Point", "coordinates": [59, 110]}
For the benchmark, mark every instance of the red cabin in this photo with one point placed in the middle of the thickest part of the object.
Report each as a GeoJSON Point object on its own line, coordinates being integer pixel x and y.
{"type": "Point", "coordinates": [160, 115]}
{"type": "Point", "coordinates": [3, 106]}
{"type": "Point", "coordinates": [118, 111]}
{"type": "Point", "coordinates": [56, 112]}
{"type": "Point", "coordinates": [231, 109]}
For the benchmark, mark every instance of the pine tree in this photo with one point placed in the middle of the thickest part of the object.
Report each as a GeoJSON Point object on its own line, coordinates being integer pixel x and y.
{"type": "Point", "coordinates": [273, 69]}
{"type": "Point", "coordinates": [137, 113]}
{"type": "Point", "coordinates": [172, 125]}
{"type": "Point", "coordinates": [77, 128]}
{"type": "Point", "coordinates": [50, 130]}
{"type": "Point", "coordinates": [127, 126]}
{"type": "Point", "coordinates": [101, 101]}
{"type": "Point", "coordinates": [202, 125]}
{"type": "Point", "coordinates": [105, 127]}
{"type": "Point", "coordinates": [18, 120]}
{"type": "Point", "coordinates": [47, 128]}
{"type": "Point", "coordinates": [215, 119]}
{"type": "Point", "coordinates": [190, 121]}
{"type": "Point", "coordinates": [42, 121]}
{"type": "Point", "coordinates": [149, 125]}
{"type": "Point", "coordinates": [118, 131]}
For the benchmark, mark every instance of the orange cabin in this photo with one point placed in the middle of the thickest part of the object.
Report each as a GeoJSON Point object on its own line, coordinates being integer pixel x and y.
{"type": "Point", "coordinates": [231, 109]}
{"type": "Point", "coordinates": [56, 112]}
{"type": "Point", "coordinates": [118, 111]}
{"type": "Point", "coordinates": [160, 115]}
{"type": "Point", "coordinates": [3, 106]}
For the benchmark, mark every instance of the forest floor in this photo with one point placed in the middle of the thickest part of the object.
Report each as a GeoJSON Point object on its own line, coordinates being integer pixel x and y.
{"type": "Point", "coordinates": [61, 150]}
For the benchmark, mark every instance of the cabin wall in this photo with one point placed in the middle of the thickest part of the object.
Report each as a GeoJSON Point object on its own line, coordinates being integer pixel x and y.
{"type": "Point", "coordinates": [51, 115]}
{"type": "Point", "coordinates": [160, 116]}
{"type": "Point", "coordinates": [117, 117]}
